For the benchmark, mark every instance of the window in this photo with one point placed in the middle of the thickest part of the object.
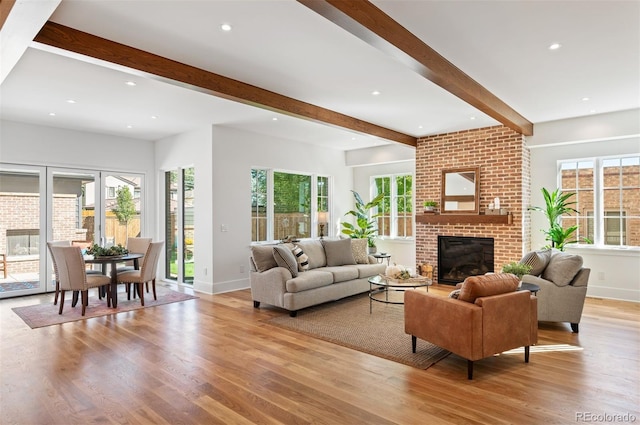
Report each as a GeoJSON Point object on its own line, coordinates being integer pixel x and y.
{"type": "Point", "coordinates": [23, 241]}
{"type": "Point", "coordinates": [396, 209]}
{"type": "Point", "coordinates": [607, 199]}
{"type": "Point", "coordinates": [286, 204]}
{"type": "Point", "coordinates": [179, 188]}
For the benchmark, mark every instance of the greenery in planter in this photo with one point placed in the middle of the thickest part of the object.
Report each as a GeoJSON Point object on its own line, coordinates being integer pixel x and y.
{"type": "Point", "coordinates": [431, 204]}
{"type": "Point", "coordinates": [556, 205]}
{"type": "Point", "coordinates": [98, 251]}
{"type": "Point", "coordinates": [365, 227]}
{"type": "Point", "coordinates": [516, 268]}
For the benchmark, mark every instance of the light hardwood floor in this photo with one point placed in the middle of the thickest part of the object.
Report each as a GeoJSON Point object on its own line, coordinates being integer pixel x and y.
{"type": "Point", "coordinates": [215, 361]}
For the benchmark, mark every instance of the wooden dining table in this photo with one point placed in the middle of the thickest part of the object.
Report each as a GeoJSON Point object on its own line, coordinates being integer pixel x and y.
{"type": "Point", "coordinates": [112, 293]}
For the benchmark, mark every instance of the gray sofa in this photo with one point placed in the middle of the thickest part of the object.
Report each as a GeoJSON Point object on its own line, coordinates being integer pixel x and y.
{"type": "Point", "coordinates": [563, 285]}
{"type": "Point", "coordinates": [310, 272]}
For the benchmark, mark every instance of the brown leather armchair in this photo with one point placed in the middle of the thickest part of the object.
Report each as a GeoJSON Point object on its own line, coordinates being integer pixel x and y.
{"type": "Point", "coordinates": [489, 317]}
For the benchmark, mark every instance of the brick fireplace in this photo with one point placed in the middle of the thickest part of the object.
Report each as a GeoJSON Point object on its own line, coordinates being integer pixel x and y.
{"type": "Point", "coordinates": [504, 162]}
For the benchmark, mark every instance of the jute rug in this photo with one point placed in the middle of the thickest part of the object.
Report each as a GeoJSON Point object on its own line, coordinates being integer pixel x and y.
{"type": "Point", "coordinates": [347, 322]}
{"type": "Point", "coordinates": [40, 315]}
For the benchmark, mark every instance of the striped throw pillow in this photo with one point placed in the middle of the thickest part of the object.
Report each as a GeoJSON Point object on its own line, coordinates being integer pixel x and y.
{"type": "Point", "coordinates": [301, 258]}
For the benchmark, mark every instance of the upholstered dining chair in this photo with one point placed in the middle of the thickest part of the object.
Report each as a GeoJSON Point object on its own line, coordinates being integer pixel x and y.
{"type": "Point", "coordinates": [147, 272]}
{"type": "Point", "coordinates": [135, 246]}
{"type": "Point", "coordinates": [55, 267]}
{"type": "Point", "coordinates": [72, 274]}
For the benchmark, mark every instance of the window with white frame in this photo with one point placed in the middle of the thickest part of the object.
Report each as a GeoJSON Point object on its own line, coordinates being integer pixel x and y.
{"type": "Point", "coordinates": [607, 199]}
{"type": "Point", "coordinates": [395, 218]}
{"type": "Point", "coordinates": [287, 204]}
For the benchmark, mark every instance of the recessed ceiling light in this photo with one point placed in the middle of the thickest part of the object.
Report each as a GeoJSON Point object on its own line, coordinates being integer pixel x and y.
{"type": "Point", "coordinates": [274, 119]}
{"type": "Point", "coordinates": [555, 46]}
{"type": "Point", "coordinates": [420, 126]}
{"type": "Point", "coordinates": [375, 93]}
{"type": "Point", "coordinates": [472, 118]}
{"type": "Point", "coordinates": [225, 27]}
{"type": "Point", "coordinates": [52, 114]}
{"type": "Point", "coordinates": [593, 111]}
{"type": "Point", "coordinates": [71, 101]}
{"type": "Point", "coordinates": [130, 83]}
{"type": "Point", "coordinates": [129, 126]}
{"type": "Point", "coordinates": [153, 117]}
{"type": "Point", "coordinates": [585, 99]}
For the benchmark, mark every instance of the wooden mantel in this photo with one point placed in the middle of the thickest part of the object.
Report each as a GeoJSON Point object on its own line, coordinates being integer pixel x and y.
{"type": "Point", "coordinates": [463, 218]}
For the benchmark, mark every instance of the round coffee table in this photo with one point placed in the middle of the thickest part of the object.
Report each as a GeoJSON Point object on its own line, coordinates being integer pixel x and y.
{"type": "Point", "coordinates": [381, 287]}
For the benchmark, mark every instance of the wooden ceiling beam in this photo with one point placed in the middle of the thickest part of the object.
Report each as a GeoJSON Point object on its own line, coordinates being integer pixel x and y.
{"type": "Point", "coordinates": [367, 22]}
{"type": "Point", "coordinates": [95, 49]}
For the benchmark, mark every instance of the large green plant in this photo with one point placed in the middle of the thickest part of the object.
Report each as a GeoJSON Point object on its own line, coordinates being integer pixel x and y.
{"type": "Point", "coordinates": [365, 227]}
{"type": "Point", "coordinates": [558, 204]}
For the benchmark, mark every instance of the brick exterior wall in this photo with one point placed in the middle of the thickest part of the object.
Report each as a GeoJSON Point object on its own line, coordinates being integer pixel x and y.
{"type": "Point", "coordinates": [504, 162]}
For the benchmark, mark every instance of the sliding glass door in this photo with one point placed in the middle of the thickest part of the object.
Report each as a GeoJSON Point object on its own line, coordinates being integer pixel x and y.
{"type": "Point", "coordinates": [22, 243]}
{"type": "Point", "coordinates": [40, 204]}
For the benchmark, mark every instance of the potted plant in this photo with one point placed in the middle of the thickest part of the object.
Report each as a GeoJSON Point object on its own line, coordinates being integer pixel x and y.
{"type": "Point", "coordinates": [517, 269]}
{"type": "Point", "coordinates": [365, 227]}
{"type": "Point", "coordinates": [429, 206]}
{"type": "Point", "coordinates": [557, 204]}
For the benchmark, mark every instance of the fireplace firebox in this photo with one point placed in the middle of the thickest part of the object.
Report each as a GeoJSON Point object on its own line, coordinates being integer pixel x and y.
{"type": "Point", "coordinates": [460, 257]}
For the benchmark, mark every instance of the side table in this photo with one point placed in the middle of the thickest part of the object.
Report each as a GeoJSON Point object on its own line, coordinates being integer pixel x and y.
{"type": "Point", "coordinates": [380, 257]}
{"type": "Point", "coordinates": [530, 287]}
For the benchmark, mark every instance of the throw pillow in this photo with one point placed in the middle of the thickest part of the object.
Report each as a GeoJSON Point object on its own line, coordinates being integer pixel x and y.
{"type": "Point", "coordinates": [562, 268]}
{"type": "Point", "coordinates": [538, 260]}
{"type": "Point", "coordinates": [263, 257]}
{"type": "Point", "coordinates": [338, 252]}
{"type": "Point", "coordinates": [315, 251]}
{"type": "Point", "coordinates": [301, 258]}
{"type": "Point", "coordinates": [486, 285]}
{"type": "Point", "coordinates": [285, 258]}
{"type": "Point", "coordinates": [359, 251]}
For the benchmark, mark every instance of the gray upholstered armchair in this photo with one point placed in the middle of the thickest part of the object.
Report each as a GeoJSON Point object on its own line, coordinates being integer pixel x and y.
{"type": "Point", "coordinates": [563, 285]}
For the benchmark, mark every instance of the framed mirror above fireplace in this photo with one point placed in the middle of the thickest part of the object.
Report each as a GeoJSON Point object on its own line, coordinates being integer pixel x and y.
{"type": "Point", "coordinates": [460, 191]}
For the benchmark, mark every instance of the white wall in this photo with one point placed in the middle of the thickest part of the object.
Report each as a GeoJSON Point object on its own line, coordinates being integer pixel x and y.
{"type": "Point", "coordinates": [615, 273]}
{"type": "Point", "coordinates": [191, 149]}
{"type": "Point", "coordinates": [39, 145]}
{"type": "Point", "coordinates": [234, 154]}
{"type": "Point", "coordinates": [223, 158]}
{"type": "Point", "coordinates": [402, 251]}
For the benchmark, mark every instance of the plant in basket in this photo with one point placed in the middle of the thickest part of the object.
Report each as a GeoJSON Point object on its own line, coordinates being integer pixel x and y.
{"type": "Point", "coordinates": [112, 251]}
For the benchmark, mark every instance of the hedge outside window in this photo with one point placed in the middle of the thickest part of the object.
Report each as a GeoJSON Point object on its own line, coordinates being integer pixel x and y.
{"type": "Point", "coordinates": [282, 204]}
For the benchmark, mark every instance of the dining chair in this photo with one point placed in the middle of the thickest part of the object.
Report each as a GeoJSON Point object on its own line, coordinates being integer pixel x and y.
{"type": "Point", "coordinates": [73, 276]}
{"type": "Point", "coordinates": [136, 246]}
{"type": "Point", "coordinates": [147, 272]}
{"type": "Point", "coordinates": [3, 264]}
{"type": "Point", "coordinates": [55, 266]}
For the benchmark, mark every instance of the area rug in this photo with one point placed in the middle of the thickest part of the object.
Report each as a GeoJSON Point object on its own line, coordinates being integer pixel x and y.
{"type": "Point", "coordinates": [40, 315]}
{"type": "Point", "coordinates": [347, 322]}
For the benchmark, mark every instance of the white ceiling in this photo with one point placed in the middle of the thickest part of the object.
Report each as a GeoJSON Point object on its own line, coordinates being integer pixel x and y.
{"type": "Point", "coordinates": [282, 46]}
